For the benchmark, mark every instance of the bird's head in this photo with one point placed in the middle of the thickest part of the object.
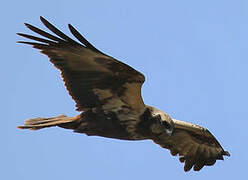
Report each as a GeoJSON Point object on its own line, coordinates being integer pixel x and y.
{"type": "Point", "coordinates": [163, 123]}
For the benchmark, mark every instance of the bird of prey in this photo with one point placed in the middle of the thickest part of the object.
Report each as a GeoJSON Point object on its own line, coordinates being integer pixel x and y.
{"type": "Point", "coordinates": [107, 92]}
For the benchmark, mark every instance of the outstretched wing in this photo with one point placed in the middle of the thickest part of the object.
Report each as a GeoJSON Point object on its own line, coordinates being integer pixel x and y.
{"type": "Point", "coordinates": [92, 78]}
{"type": "Point", "coordinates": [195, 145]}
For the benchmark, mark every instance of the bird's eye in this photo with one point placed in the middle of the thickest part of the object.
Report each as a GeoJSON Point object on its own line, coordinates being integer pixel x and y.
{"type": "Point", "coordinates": [165, 124]}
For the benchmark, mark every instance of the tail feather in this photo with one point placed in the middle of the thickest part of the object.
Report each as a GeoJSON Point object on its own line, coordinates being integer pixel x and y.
{"type": "Point", "coordinates": [39, 123]}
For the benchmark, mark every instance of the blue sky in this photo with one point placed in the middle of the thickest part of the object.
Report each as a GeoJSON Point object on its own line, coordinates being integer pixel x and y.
{"type": "Point", "coordinates": [195, 58]}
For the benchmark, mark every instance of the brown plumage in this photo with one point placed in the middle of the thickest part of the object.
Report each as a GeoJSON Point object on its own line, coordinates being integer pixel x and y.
{"type": "Point", "coordinates": [108, 92]}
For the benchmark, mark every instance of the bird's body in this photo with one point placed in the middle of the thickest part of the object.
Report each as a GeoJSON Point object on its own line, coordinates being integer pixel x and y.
{"type": "Point", "coordinates": [120, 125]}
{"type": "Point", "coordinates": [108, 93]}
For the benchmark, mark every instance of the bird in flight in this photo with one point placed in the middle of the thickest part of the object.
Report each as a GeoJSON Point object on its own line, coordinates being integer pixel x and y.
{"type": "Point", "coordinates": [107, 92]}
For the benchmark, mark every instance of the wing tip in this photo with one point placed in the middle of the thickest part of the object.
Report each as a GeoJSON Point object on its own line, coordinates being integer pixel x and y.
{"type": "Point", "coordinates": [43, 20]}
{"type": "Point", "coordinates": [24, 42]}
{"type": "Point", "coordinates": [28, 25]}
{"type": "Point", "coordinates": [226, 153]}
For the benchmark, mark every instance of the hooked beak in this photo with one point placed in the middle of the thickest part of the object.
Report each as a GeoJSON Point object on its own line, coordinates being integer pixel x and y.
{"type": "Point", "coordinates": [169, 131]}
